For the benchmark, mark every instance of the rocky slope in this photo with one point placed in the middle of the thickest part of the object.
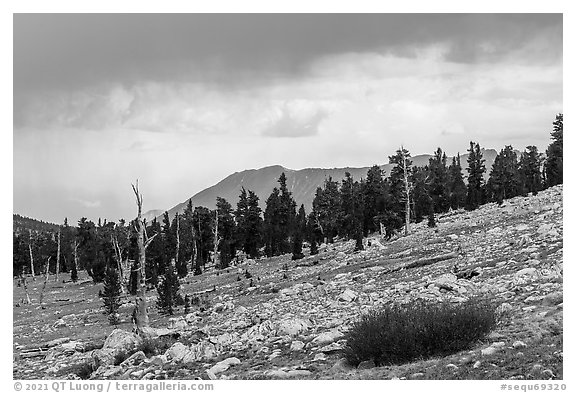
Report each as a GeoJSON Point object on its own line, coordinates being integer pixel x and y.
{"type": "Point", "coordinates": [277, 318]}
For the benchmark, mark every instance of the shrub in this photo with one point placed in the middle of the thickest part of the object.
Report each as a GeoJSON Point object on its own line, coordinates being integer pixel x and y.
{"type": "Point", "coordinates": [400, 333]}
{"type": "Point", "coordinates": [157, 345]}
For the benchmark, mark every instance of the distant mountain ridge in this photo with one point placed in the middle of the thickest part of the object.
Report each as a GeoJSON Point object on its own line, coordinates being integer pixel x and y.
{"type": "Point", "coordinates": [302, 183]}
{"type": "Point", "coordinates": [22, 224]}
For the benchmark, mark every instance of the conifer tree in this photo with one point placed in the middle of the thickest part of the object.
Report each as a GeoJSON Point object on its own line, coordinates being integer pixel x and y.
{"type": "Point", "coordinates": [168, 238]}
{"type": "Point", "coordinates": [327, 208]}
{"type": "Point", "coordinates": [111, 294]}
{"type": "Point", "coordinates": [168, 288]}
{"type": "Point", "coordinates": [456, 185]}
{"type": "Point", "coordinates": [181, 262]}
{"type": "Point", "coordinates": [155, 254]}
{"type": "Point", "coordinates": [279, 219]}
{"type": "Point", "coordinates": [226, 232]}
{"type": "Point", "coordinates": [203, 221]}
{"type": "Point", "coordinates": [187, 240]}
{"type": "Point", "coordinates": [287, 215]}
{"type": "Point", "coordinates": [249, 223]}
{"type": "Point", "coordinates": [438, 183]}
{"type": "Point", "coordinates": [376, 199]}
{"type": "Point", "coordinates": [400, 188]}
{"type": "Point", "coordinates": [272, 223]}
{"type": "Point", "coordinates": [530, 174]}
{"type": "Point", "coordinates": [313, 233]}
{"type": "Point", "coordinates": [347, 222]}
{"type": "Point", "coordinates": [88, 249]}
{"type": "Point", "coordinates": [555, 154]}
{"type": "Point", "coordinates": [420, 195]}
{"type": "Point", "coordinates": [504, 181]}
{"type": "Point", "coordinates": [476, 169]}
{"type": "Point", "coordinates": [299, 230]}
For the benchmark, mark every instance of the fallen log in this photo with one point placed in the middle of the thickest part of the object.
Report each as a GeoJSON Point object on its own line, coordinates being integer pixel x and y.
{"type": "Point", "coordinates": [33, 354]}
{"type": "Point", "coordinates": [424, 262]}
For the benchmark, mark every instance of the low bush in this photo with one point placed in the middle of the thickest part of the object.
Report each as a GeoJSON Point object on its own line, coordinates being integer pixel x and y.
{"type": "Point", "coordinates": [400, 333]}
{"type": "Point", "coordinates": [157, 345]}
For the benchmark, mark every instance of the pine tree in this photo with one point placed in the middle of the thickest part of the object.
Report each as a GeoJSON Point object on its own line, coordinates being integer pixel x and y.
{"type": "Point", "coordinates": [504, 181]}
{"type": "Point", "coordinates": [376, 199]}
{"type": "Point", "coordinates": [287, 215]}
{"type": "Point", "coordinates": [255, 226]}
{"type": "Point", "coordinates": [438, 186]}
{"type": "Point", "coordinates": [169, 240]}
{"type": "Point", "coordinates": [111, 294]}
{"type": "Point", "coordinates": [347, 223]}
{"type": "Point", "coordinates": [279, 219]}
{"type": "Point", "coordinates": [88, 249]}
{"type": "Point", "coordinates": [530, 175]}
{"type": "Point", "coordinates": [313, 233]}
{"type": "Point", "coordinates": [203, 221]}
{"type": "Point", "coordinates": [476, 169]}
{"type": "Point", "coordinates": [327, 208]}
{"type": "Point", "coordinates": [400, 189]}
{"type": "Point", "coordinates": [181, 262]}
{"type": "Point", "coordinates": [555, 154]}
{"type": "Point", "coordinates": [456, 185]}
{"type": "Point", "coordinates": [226, 232]}
{"type": "Point", "coordinates": [299, 230]}
{"type": "Point", "coordinates": [168, 288]}
{"type": "Point", "coordinates": [155, 254]}
{"type": "Point", "coordinates": [420, 195]}
{"type": "Point", "coordinates": [187, 239]}
{"type": "Point", "coordinates": [272, 223]}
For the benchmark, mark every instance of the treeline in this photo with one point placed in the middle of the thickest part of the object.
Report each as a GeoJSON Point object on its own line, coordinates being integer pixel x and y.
{"type": "Point", "coordinates": [350, 209]}
{"type": "Point", "coordinates": [22, 224]}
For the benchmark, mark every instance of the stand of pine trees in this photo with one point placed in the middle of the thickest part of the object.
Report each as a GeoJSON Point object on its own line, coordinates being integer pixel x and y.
{"type": "Point", "coordinates": [351, 209]}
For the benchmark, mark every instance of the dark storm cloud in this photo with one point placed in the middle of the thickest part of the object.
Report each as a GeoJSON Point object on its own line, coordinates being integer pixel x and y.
{"type": "Point", "coordinates": [67, 51]}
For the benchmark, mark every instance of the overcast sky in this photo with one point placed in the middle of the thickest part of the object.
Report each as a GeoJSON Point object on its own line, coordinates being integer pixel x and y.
{"type": "Point", "coordinates": [181, 101]}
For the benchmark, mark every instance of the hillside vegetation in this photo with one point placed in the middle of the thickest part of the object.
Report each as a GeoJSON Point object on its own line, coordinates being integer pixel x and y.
{"type": "Point", "coordinates": [290, 318]}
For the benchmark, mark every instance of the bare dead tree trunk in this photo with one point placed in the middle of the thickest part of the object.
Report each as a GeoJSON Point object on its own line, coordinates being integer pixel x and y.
{"type": "Point", "coordinates": [76, 255]}
{"type": "Point", "coordinates": [58, 256]}
{"type": "Point", "coordinates": [31, 257]}
{"type": "Point", "coordinates": [46, 274]}
{"type": "Point", "coordinates": [194, 251]}
{"type": "Point", "coordinates": [177, 239]}
{"type": "Point", "coordinates": [23, 280]}
{"type": "Point", "coordinates": [140, 311]}
{"type": "Point", "coordinates": [199, 246]}
{"type": "Point", "coordinates": [122, 266]}
{"type": "Point", "coordinates": [407, 189]}
{"type": "Point", "coordinates": [216, 241]}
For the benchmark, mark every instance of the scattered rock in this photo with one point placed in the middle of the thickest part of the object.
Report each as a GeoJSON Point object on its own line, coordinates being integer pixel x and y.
{"type": "Point", "coordinates": [319, 357]}
{"type": "Point", "coordinates": [224, 365]}
{"type": "Point", "coordinates": [519, 344]}
{"type": "Point", "coordinates": [177, 352]}
{"type": "Point", "coordinates": [529, 271]}
{"type": "Point", "coordinates": [348, 296]}
{"type": "Point", "coordinates": [326, 338]}
{"type": "Point", "coordinates": [299, 373]}
{"type": "Point", "coordinates": [292, 327]}
{"type": "Point", "coordinates": [297, 346]}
